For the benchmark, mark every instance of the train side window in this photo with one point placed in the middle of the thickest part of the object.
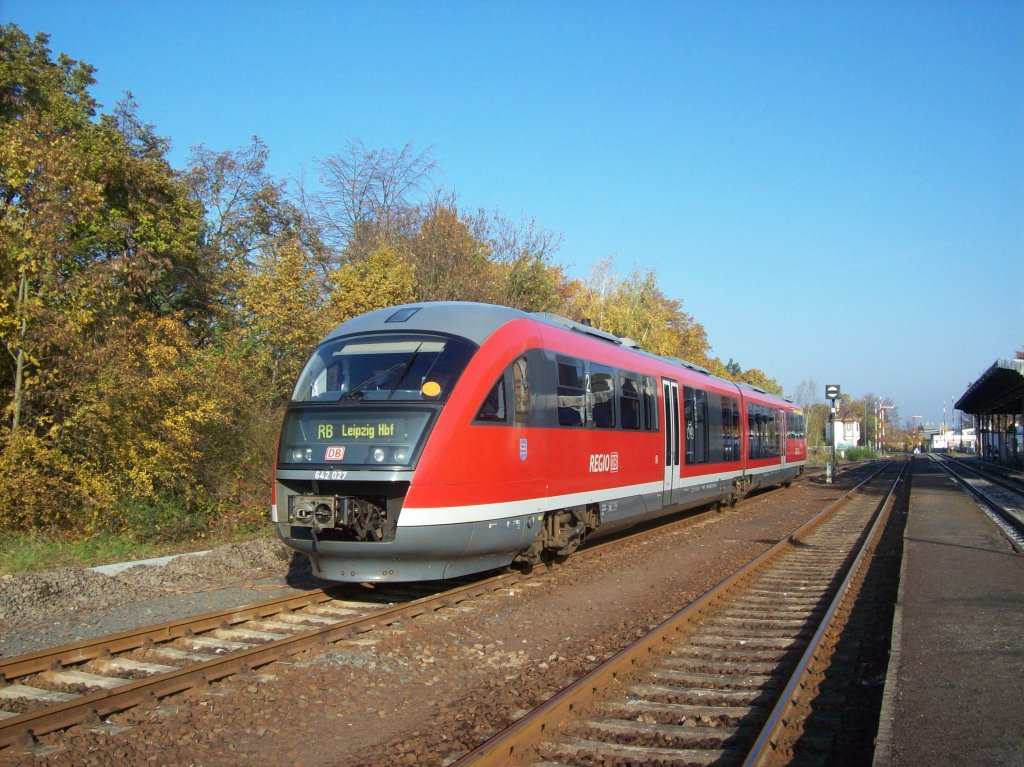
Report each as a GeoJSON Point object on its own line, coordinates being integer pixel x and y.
{"type": "Point", "coordinates": [730, 429]}
{"type": "Point", "coordinates": [695, 417]}
{"type": "Point", "coordinates": [629, 400]}
{"type": "Point", "coordinates": [602, 397]}
{"type": "Point", "coordinates": [763, 424]}
{"type": "Point", "coordinates": [774, 433]}
{"type": "Point", "coordinates": [753, 432]}
{"type": "Point", "coordinates": [521, 389]}
{"type": "Point", "coordinates": [650, 405]}
{"type": "Point", "coordinates": [689, 428]}
{"type": "Point", "coordinates": [795, 422]}
{"type": "Point", "coordinates": [493, 408]}
{"type": "Point", "coordinates": [572, 402]}
{"type": "Point", "coordinates": [714, 427]}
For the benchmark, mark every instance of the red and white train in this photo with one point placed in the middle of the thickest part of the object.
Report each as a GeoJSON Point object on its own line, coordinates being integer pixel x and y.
{"type": "Point", "coordinates": [433, 440]}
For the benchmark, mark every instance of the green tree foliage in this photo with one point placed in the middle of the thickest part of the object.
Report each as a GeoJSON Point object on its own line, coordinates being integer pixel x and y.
{"type": "Point", "coordinates": [98, 240]}
{"type": "Point", "coordinates": [284, 299]}
{"type": "Point", "coordinates": [383, 278]}
{"type": "Point", "coordinates": [31, 82]}
{"type": "Point", "coordinates": [247, 214]}
{"type": "Point", "coordinates": [45, 193]}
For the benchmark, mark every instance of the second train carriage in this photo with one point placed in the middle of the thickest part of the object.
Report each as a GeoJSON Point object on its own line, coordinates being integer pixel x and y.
{"type": "Point", "coordinates": [437, 439]}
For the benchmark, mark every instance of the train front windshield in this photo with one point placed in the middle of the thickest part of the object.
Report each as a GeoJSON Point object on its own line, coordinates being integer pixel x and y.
{"type": "Point", "coordinates": [409, 369]}
{"type": "Point", "coordinates": [360, 400]}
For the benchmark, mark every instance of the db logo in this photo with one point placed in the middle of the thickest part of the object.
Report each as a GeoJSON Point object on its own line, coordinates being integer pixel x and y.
{"type": "Point", "coordinates": [335, 453]}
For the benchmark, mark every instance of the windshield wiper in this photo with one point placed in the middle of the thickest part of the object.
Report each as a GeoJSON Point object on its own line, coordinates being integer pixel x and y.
{"type": "Point", "coordinates": [357, 393]}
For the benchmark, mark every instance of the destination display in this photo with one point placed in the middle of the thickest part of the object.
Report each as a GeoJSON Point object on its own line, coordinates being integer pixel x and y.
{"type": "Point", "coordinates": [368, 438]}
{"type": "Point", "coordinates": [359, 431]}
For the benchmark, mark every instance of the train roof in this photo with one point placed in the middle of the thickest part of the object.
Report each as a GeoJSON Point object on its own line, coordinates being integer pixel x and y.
{"type": "Point", "coordinates": [473, 321]}
{"type": "Point", "coordinates": [477, 322]}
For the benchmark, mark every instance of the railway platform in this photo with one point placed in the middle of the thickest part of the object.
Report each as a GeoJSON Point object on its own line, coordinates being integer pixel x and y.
{"type": "Point", "coordinates": [953, 691]}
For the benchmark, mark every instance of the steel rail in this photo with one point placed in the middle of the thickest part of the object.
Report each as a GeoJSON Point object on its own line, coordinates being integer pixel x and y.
{"type": "Point", "coordinates": [996, 473]}
{"type": "Point", "coordinates": [132, 693]}
{"type": "Point", "coordinates": [90, 649]}
{"type": "Point", "coordinates": [514, 744]}
{"type": "Point", "coordinates": [1014, 520]}
{"type": "Point", "coordinates": [767, 742]}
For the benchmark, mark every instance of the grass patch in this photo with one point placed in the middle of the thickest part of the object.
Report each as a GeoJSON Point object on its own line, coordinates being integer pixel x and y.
{"type": "Point", "coordinates": [22, 552]}
{"type": "Point", "coordinates": [31, 552]}
{"type": "Point", "coordinates": [139, 529]}
{"type": "Point", "coordinates": [861, 454]}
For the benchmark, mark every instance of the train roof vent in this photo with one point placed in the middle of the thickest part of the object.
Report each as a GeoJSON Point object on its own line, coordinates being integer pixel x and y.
{"type": "Point", "coordinates": [746, 385]}
{"type": "Point", "coordinates": [689, 365]}
{"type": "Point", "coordinates": [589, 330]}
{"type": "Point", "coordinates": [403, 315]}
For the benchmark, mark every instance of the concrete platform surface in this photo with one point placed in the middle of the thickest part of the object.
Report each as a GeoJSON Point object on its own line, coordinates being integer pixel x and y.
{"type": "Point", "coordinates": [955, 689]}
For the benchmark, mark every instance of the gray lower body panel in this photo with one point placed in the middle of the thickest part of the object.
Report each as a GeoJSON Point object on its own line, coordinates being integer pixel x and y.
{"type": "Point", "coordinates": [428, 552]}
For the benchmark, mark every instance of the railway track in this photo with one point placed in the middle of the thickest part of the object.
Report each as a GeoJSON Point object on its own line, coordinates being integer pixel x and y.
{"type": "Point", "coordinates": [1002, 496]}
{"type": "Point", "coordinates": [54, 689]}
{"type": "Point", "coordinates": [720, 681]}
{"type": "Point", "coordinates": [60, 687]}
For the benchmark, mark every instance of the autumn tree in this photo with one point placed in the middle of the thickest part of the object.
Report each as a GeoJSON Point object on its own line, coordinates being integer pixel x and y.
{"type": "Point", "coordinates": [283, 297]}
{"type": "Point", "coordinates": [383, 278]}
{"type": "Point", "coordinates": [370, 195]}
{"type": "Point", "coordinates": [246, 212]}
{"type": "Point", "coordinates": [97, 235]}
{"type": "Point", "coordinates": [45, 191]}
{"type": "Point", "coordinates": [450, 263]}
{"type": "Point", "coordinates": [523, 272]}
{"type": "Point", "coordinates": [634, 307]}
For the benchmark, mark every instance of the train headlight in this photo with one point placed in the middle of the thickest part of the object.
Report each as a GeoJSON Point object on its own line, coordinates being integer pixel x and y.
{"type": "Point", "coordinates": [300, 454]}
{"type": "Point", "coordinates": [379, 455]}
{"type": "Point", "coordinates": [401, 455]}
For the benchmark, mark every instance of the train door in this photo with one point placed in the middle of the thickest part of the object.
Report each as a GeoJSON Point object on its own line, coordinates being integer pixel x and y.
{"type": "Point", "coordinates": [671, 390]}
{"type": "Point", "coordinates": [783, 436]}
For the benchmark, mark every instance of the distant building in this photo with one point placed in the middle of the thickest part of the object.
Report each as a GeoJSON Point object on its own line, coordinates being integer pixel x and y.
{"type": "Point", "coordinates": [846, 430]}
{"type": "Point", "coordinates": [963, 441]}
{"type": "Point", "coordinates": [996, 400]}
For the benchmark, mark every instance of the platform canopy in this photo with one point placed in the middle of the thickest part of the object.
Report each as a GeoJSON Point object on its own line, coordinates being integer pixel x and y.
{"type": "Point", "coordinates": [999, 390]}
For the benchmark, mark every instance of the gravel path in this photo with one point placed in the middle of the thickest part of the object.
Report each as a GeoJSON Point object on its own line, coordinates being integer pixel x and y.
{"type": "Point", "coordinates": [67, 605]}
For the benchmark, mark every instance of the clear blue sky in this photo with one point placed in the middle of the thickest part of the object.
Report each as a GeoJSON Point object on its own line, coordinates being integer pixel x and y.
{"type": "Point", "coordinates": [834, 190]}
